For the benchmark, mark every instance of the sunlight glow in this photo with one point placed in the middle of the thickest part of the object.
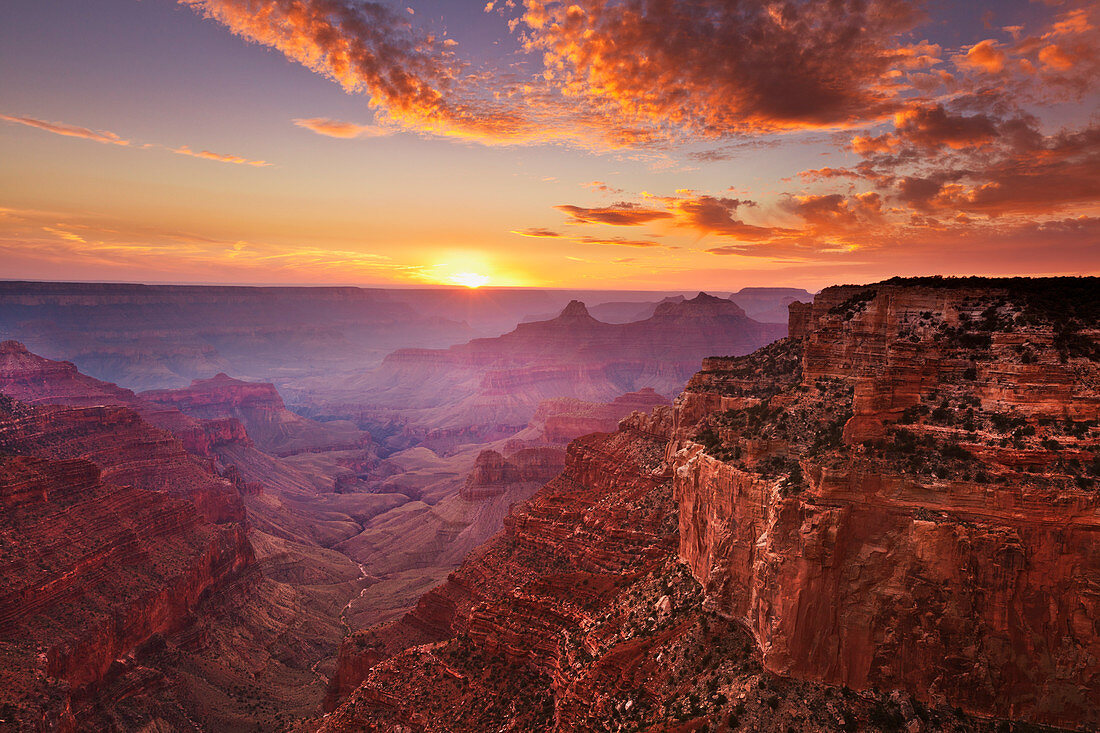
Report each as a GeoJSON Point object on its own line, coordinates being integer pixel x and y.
{"type": "Point", "coordinates": [468, 279]}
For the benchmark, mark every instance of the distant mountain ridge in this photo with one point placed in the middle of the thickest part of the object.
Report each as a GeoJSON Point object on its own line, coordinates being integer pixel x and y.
{"type": "Point", "coordinates": [495, 384]}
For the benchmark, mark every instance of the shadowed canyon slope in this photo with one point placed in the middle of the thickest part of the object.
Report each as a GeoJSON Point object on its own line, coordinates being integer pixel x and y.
{"type": "Point", "coordinates": [900, 496]}
{"type": "Point", "coordinates": [226, 625]}
{"type": "Point", "coordinates": [135, 591]}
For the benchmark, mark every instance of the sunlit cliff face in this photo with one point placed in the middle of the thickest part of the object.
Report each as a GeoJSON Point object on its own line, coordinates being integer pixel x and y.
{"type": "Point", "coordinates": [617, 143]}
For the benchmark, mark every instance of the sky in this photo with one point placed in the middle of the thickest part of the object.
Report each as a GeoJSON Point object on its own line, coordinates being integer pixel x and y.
{"type": "Point", "coordinates": [618, 144]}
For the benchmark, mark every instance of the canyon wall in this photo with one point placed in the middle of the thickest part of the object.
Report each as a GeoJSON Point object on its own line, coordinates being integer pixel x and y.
{"type": "Point", "coordinates": [92, 570]}
{"type": "Point", "coordinates": [904, 496]}
{"type": "Point", "coordinates": [580, 616]}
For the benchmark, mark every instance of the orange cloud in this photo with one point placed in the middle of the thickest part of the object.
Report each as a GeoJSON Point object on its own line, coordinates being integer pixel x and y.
{"type": "Point", "coordinates": [61, 128]}
{"type": "Point", "coordinates": [367, 47]}
{"type": "Point", "coordinates": [701, 214]}
{"type": "Point", "coordinates": [713, 67]}
{"type": "Point", "coordinates": [619, 242]}
{"type": "Point", "coordinates": [219, 157]}
{"type": "Point", "coordinates": [932, 126]}
{"type": "Point", "coordinates": [340, 128]}
{"type": "Point", "coordinates": [984, 56]}
{"type": "Point", "coordinates": [1056, 58]}
{"type": "Point", "coordinates": [621, 214]}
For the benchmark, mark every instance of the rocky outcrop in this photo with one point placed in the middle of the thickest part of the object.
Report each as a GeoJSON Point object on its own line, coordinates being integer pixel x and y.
{"type": "Point", "coordinates": [89, 571]}
{"type": "Point", "coordinates": [903, 497]}
{"type": "Point", "coordinates": [260, 408]}
{"type": "Point", "coordinates": [493, 472]}
{"type": "Point", "coordinates": [579, 523]}
{"type": "Point", "coordinates": [128, 450]}
{"type": "Point", "coordinates": [799, 319]}
{"type": "Point", "coordinates": [35, 380]}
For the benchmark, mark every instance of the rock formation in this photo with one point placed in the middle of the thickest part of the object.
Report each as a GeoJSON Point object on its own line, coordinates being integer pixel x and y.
{"type": "Point", "coordinates": [131, 594]}
{"type": "Point", "coordinates": [899, 501]}
{"type": "Point", "coordinates": [580, 617]}
{"type": "Point", "coordinates": [92, 569]}
{"type": "Point", "coordinates": [905, 496]}
{"type": "Point", "coordinates": [493, 472]}
{"type": "Point", "coordinates": [560, 420]}
{"type": "Point", "coordinates": [258, 406]}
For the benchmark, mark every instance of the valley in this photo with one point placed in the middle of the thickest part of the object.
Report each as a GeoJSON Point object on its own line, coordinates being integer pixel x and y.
{"type": "Point", "coordinates": [531, 521]}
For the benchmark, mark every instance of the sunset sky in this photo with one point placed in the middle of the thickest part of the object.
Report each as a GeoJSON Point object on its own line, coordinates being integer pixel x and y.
{"type": "Point", "coordinates": [642, 144]}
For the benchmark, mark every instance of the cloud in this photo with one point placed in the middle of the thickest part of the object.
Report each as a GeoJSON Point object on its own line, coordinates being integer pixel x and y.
{"type": "Point", "coordinates": [110, 138]}
{"type": "Point", "coordinates": [537, 232]}
{"type": "Point", "coordinates": [606, 73]}
{"type": "Point", "coordinates": [714, 67]}
{"type": "Point", "coordinates": [940, 160]}
{"type": "Point", "coordinates": [1058, 62]}
{"type": "Point", "coordinates": [621, 214]}
{"type": "Point", "coordinates": [411, 77]}
{"type": "Point", "coordinates": [586, 239]}
{"type": "Point", "coordinates": [620, 242]}
{"type": "Point", "coordinates": [340, 128]}
{"type": "Point", "coordinates": [601, 187]}
{"type": "Point", "coordinates": [707, 214]}
{"type": "Point", "coordinates": [61, 128]}
{"type": "Point", "coordinates": [932, 126]}
{"type": "Point", "coordinates": [219, 157]}
{"type": "Point", "coordinates": [832, 214]}
{"type": "Point", "coordinates": [983, 56]}
{"type": "Point", "coordinates": [700, 214]}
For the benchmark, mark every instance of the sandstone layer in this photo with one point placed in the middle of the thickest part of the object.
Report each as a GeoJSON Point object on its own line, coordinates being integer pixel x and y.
{"type": "Point", "coordinates": [904, 496]}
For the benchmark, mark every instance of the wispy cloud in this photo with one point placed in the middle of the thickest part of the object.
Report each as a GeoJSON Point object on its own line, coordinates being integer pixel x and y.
{"type": "Point", "coordinates": [541, 233]}
{"type": "Point", "coordinates": [620, 214]}
{"type": "Point", "coordinates": [219, 157]}
{"type": "Point", "coordinates": [342, 129]}
{"type": "Point", "coordinates": [110, 138]}
{"type": "Point", "coordinates": [62, 128]}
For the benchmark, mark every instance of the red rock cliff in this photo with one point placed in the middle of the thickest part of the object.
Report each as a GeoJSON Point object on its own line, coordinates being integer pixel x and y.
{"type": "Point", "coordinates": [905, 497]}
{"type": "Point", "coordinates": [88, 572]}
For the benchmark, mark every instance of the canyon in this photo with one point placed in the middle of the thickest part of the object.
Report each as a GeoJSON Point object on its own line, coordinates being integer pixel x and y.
{"type": "Point", "coordinates": [887, 520]}
{"type": "Point", "coordinates": [270, 535]}
{"type": "Point", "coordinates": [881, 515]}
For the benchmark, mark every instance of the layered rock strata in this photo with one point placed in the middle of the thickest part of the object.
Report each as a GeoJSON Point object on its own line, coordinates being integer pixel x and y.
{"type": "Point", "coordinates": [580, 617]}
{"type": "Point", "coordinates": [90, 571]}
{"type": "Point", "coordinates": [897, 504]}
{"type": "Point", "coordinates": [904, 497]}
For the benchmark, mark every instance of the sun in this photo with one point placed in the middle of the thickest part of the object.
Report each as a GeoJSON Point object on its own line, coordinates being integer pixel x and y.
{"type": "Point", "coordinates": [468, 279]}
